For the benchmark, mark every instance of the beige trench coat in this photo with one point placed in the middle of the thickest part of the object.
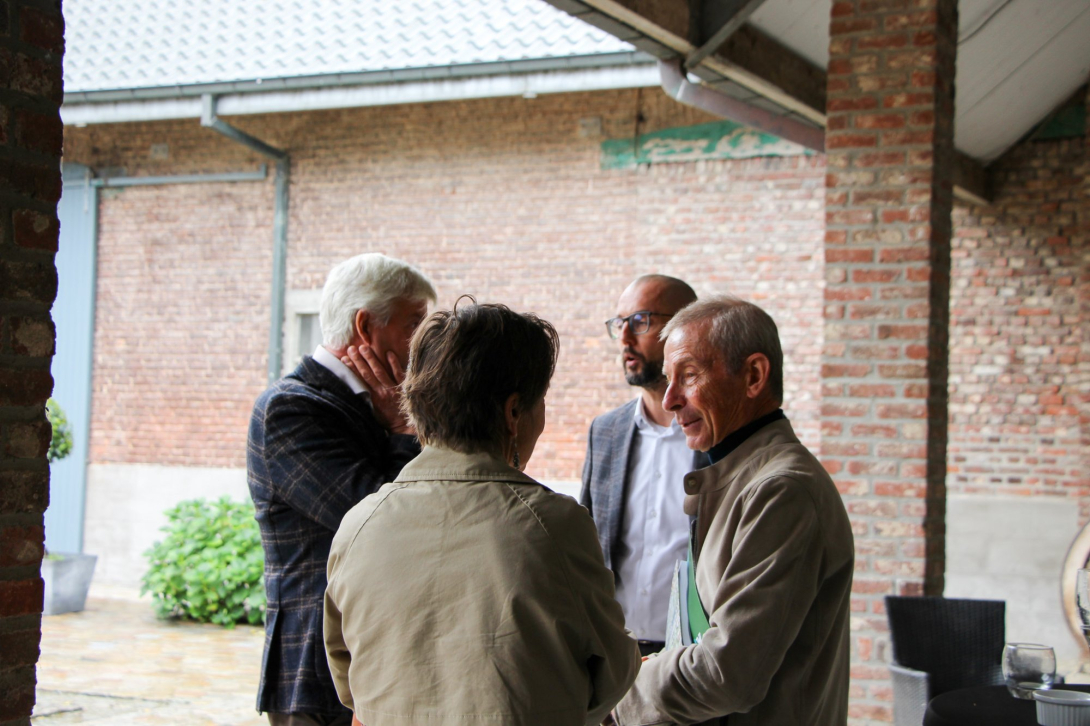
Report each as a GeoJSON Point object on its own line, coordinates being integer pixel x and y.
{"type": "Point", "coordinates": [466, 593]}
{"type": "Point", "coordinates": [774, 571]}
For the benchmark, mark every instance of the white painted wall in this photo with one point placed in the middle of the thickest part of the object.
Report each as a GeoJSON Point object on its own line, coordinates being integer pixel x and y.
{"type": "Point", "coordinates": [1013, 548]}
{"type": "Point", "coordinates": [125, 506]}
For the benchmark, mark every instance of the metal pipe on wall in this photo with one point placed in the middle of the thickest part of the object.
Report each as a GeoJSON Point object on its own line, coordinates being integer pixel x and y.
{"type": "Point", "coordinates": [148, 181]}
{"type": "Point", "coordinates": [279, 271]}
{"type": "Point", "coordinates": [280, 224]}
{"type": "Point", "coordinates": [681, 90]}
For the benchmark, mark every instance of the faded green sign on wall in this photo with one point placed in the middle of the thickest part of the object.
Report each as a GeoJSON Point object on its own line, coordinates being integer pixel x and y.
{"type": "Point", "coordinates": [716, 140]}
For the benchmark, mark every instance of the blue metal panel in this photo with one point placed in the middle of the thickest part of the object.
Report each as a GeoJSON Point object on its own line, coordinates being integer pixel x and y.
{"type": "Point", "coordinates": [74, 316]}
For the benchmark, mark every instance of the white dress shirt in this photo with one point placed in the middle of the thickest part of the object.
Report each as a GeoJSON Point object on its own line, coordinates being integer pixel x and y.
{"type": "Point", "coordinates": [333, 364]}
{"type": "Point", "coordinates": [655, 528]}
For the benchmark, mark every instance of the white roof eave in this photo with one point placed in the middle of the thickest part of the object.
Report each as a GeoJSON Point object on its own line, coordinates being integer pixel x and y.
{"type": "Point", "coordinates": [566, 75]}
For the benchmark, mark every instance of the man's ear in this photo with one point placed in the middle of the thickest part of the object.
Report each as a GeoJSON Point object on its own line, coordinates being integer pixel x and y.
{"type": "Point", "coordinates": [757, 370]}
{"type": "Point", "coordinates": [511, 413]}
{"type": "Point", "coordinates": [362, 326]}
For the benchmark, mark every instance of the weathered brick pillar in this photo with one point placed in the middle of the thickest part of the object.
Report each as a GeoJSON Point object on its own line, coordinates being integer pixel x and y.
{"type": "Point", "coordinates": [31, 45]}
{"type": "Point", "coordinates": [887, 253]}
{"type": "Point", "coordinates": [1081, 242]}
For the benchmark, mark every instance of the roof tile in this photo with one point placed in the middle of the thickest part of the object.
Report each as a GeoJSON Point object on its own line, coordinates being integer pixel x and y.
{"type": "Point", "coordinates": [105, 50]}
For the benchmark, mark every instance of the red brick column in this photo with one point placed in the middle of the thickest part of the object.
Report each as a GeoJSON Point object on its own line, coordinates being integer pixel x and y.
{"type": "Point", "coordinates": [1082, 242]}
{"type": "Point", "coordinates": [31, 45]}
{"type": "Point", "coordinates": [887, 254]}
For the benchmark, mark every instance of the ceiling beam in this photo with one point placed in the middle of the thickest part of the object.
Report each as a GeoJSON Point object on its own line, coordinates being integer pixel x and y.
{"type": "Point", "coordinates": [782, 72]}
{"type": "Point", "coordinates": [666, 21]}
{"type": "Point", "coordinates": [728, 16]}
{"type": "Point", "coordinates": [749, 57]}
{"type": "Point", "coordinates": [971, 181]}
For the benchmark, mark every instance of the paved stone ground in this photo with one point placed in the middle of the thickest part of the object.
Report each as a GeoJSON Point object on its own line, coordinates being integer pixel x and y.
{"type": "Point", "coordinates": [115, 663]}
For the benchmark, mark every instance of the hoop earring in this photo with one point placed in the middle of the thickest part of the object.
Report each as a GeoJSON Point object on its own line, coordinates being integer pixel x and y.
{"type": "Point", "coordinates": [515, 446]}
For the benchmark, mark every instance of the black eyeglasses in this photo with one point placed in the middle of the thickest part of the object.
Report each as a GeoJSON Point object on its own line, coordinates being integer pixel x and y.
{"type": "Point", "coordinates": [638, 322]}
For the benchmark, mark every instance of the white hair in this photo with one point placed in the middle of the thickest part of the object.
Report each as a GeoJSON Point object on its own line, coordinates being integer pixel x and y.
{"type": "Point", "coordinates": [370, 282]}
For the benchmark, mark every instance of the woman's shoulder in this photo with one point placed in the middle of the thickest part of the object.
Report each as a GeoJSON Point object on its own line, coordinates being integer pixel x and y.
{"type": "Point", "coordinates": [362, 512]}
{"type": "Point", "coordinates": [556, 512]}
{"type": "Point", "coordinates": [535, 490]}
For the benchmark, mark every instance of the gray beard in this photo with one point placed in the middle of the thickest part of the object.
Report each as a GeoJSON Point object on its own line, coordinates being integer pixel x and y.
{"type": "Point", "coordinates": [648, 377]}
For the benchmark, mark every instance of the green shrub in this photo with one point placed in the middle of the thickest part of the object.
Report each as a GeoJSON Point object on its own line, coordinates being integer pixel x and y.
{"type": "Point", "coordinates": [210, 566]}
{"type": "Point", "coordinates": [60, 445]}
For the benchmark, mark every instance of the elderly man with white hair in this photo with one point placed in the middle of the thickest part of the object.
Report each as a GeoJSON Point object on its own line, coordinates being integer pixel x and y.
{"type": "Point", "coordinates": [771, 540]}
{"type": "Point", "coordinates": [321, 439]}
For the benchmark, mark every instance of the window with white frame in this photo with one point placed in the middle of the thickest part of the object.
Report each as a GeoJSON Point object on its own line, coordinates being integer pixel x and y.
{"type": "Point", "coordinates": [302, 331]}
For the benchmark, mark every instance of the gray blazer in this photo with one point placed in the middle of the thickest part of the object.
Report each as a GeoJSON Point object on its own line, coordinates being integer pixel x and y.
{"type": "Point", "coordinates": [605, 473]}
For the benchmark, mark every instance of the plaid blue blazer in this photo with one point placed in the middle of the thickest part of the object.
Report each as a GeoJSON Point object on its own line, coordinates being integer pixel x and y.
{"type": "Point", "coordinates": [315, 449]}
{"type": "Point", "coordinates": [605, 473]}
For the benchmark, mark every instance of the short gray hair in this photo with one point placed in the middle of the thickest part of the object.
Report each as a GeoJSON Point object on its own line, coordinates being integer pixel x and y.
{"type": "Point", "coordinates": [736, 330]}
{"type": "Point", "coordinates": [370, 282]}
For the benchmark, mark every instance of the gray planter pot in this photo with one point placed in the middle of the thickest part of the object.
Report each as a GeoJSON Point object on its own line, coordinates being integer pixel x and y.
{"type": "Point", "coordinates": [67, 579]}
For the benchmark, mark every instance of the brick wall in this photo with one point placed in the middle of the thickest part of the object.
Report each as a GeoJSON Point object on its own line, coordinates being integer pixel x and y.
{"type": "Point", "coordinates": [1018, 361]}
{"type": "Point", "coordinates": [31, 46]}
{"type": "Point", "coordinates": [1018, 438]}
{"type": "Point", "coordinates": [504, 199]}
{"type": "Point", "coordinates": [1083, 381]}
{"type": "Point", "coordinates": [887, 249]}
{"type": "Point", "coordinates": [181, 322]}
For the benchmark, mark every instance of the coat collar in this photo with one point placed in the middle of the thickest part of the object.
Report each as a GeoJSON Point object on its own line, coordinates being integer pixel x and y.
{"type": "Point", "coordinates": [317, 375]}
{"type": "Point", "coordinates": [721, 474]}
{"type": "Point", "coordinates": [436, 464]}
{"type": "Point", "coordinates": [313, 374]}
{"type": "Point", "coordinates": [333, 364]}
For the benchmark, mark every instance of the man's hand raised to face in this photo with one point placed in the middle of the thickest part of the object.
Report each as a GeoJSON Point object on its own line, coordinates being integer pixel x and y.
{"type": "Point", "coordinates": [384, 383]}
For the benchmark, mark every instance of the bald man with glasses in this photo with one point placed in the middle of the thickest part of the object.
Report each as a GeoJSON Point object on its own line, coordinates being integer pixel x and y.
{"type": "Point", "coordinates": [635, 464]}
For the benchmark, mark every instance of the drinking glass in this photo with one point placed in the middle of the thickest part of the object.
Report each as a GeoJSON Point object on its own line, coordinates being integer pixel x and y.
{"type": "Point", "coordinates": [1082, 601]}
{"type": "Point", "coordinates": [1028, 667]}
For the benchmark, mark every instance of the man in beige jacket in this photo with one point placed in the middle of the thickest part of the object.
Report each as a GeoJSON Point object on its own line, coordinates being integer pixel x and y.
{"type": "Point", "coordinates": [773, 546]}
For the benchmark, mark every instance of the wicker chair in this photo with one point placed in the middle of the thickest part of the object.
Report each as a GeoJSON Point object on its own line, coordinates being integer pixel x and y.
{"type": "Point", "coordinates": [940, 645]}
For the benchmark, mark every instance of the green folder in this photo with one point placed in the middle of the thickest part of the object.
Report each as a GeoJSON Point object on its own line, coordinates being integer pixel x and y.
{"type": "Point", "coordinates": [698, 619]}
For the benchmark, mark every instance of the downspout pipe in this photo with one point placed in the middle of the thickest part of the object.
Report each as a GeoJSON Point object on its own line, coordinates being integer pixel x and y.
{"type": "Point", "coordinates": [677, 86]}
{"type": "Point", "coordinates": [280, 224]}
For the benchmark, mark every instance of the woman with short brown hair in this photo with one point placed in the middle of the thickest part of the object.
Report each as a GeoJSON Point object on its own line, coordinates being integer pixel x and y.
{"type": "Point", "coordinates": [465, 591]}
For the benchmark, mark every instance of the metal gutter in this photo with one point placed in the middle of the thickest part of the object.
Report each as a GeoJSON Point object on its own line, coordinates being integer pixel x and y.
{"type": "Point", "coordinates": [210, 120]}
{"type": "Point", "coordinates": [144, 181]}
{"type": "Point", "coordinates": [400, 75]}
{"type": "Point", "coordinates": [81, 109]}
{"type": "Point", "coordinates": [681, 90]}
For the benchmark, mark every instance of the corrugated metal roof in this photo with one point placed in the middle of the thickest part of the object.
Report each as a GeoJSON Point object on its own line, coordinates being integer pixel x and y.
{"type": "Point", "coordinates": [131, 44]}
